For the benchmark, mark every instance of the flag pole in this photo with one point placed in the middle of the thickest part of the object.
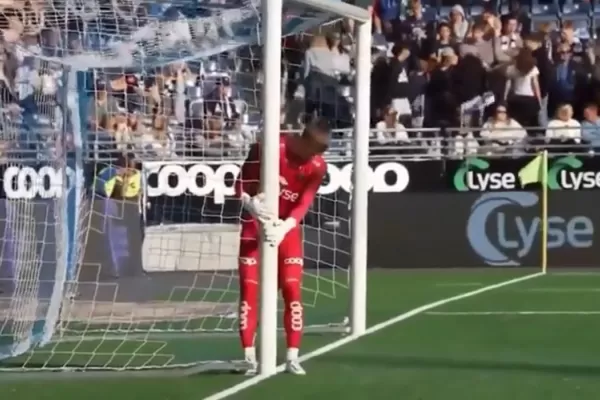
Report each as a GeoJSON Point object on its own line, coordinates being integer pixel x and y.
{"type": "Point", "coordinates": [544, 211]}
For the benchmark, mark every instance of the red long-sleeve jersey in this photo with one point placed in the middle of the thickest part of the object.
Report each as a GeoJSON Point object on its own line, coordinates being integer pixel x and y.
{"type": "Point", "coordinates": [299, 180]}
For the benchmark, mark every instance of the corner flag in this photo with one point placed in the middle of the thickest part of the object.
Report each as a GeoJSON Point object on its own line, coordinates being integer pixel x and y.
{"type": "Point", "coordinates": [537, 171]}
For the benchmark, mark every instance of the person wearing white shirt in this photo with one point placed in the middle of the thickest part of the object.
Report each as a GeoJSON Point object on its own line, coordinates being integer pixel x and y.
{"type": "Point", "coordinates": [389, 131]}
{"type": "Point", "coordinates": [502, 131]}
{"type": "Point", "coordinates": [564, 127]}
{"type": "Point", "coordinates": [522, 89]}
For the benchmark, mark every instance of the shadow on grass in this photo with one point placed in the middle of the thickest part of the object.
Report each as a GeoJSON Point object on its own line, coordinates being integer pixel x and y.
{"type": "Point", "coordinates": [440, 363]}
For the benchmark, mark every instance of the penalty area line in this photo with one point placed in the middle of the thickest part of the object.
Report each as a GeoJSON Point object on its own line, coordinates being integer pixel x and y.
{"type": "Point", "coordinates": [492, 313]}
{"type": "Point", "coordinates": [369, 331]}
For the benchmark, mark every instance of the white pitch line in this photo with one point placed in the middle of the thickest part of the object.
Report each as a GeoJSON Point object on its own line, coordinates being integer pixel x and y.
{"type": "Point", "coordinates": [574, 273]}
{"type": "Point", "coordinates": [458, 284]}
{"type": "Point", "coordinates": [560, 290]}
{"type": "Point", "coordinates": [371, 330]}
{"type": "Point", "coordinates": [482, 313]}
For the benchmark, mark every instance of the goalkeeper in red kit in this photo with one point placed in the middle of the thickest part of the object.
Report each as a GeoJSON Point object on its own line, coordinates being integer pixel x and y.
{"type": "Point", "coordinates": [301, 171]}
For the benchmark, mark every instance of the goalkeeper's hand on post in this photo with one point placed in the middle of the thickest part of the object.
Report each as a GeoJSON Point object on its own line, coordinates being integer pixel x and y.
{"type": "Point", "coordinates": [255, 205]}
{"type": "Point", "coordinates": [275, 231]}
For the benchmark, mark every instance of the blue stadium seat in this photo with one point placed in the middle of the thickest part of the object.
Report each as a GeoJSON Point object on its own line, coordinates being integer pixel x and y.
{"type": "Point", "coordinates": [596, 13]}
{"type": "Point", "coordinates": [576, 12]}
{"type": "Point", "coordinates": [430, 14]}
{"type": "Point", "coordinates": [545, 13]}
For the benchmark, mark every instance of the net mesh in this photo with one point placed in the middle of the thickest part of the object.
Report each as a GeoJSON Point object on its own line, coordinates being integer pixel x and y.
{"type": "Point", "coordinates": [147, 277]}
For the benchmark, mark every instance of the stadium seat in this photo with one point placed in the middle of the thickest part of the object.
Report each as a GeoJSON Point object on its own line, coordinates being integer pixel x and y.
{"type": "Point", "coordinates": [545, 13]}
{"type": "Point", "coordinates": [580, 14]}
{"type": "Point", "coordinates": [596, 13]}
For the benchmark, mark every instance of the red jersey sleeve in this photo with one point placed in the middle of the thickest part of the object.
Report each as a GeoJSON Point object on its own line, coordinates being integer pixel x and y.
{"type": "Point", "coordinates": [307, 196]}
{"type": "Point", "coordinates": [249, 179]}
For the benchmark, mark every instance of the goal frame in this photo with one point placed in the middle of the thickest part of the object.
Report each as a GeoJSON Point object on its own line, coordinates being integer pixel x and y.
{"type": "Point", "coordinates": [74, 74]}
{"type": "Point", "coordinates": [272, 15]}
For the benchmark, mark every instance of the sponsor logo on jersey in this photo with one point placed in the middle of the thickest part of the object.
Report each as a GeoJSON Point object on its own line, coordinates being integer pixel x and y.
{"type": "Point", "coordinates": [293, 261]}
{"type": "Point", "coordinates": [23, 182]}
{"type": "Point", "coordinates": [217, 180]}
{"type": "Point", "coordinates": [248, 261]}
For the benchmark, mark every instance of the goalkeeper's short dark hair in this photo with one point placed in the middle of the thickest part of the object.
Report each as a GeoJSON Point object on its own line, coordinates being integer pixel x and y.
{"type": "Point", "coordinates": [318, 124]}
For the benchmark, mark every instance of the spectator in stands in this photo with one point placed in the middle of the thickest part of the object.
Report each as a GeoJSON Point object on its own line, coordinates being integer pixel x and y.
{"type": "Point", "coordinates": [385, 15]}
{"type": "Point", "coordinates": [567, 74]}
{"type": "Point", "coordinates": [379, 82]}
{"type": "Point", "coordinates": [121, 132]}
{"type": "Point", "coordinates": [535, 42]}
{"type": "Point", "coordinates": [501, 130]}
{"type": "Point", "coordinates": [389, 131]}
{"type": "Point", "coordinates": [325, 64]}
{"type": "Point", "coordinates": [220, 109]}
{"type": "Point", "coordinates": [398, 85]}
{"type": "Point", "coordinates": [568, 38]}
{"type": "Point", "coordinates": [443, 40]}
{"type": "Point", "coordinates": [415, 23]}
{"type": "Point", "coordinates": [590, 126]}
{"type": "Point", "coordinates": [564, 128]}
{"type": "Point", "coordinates": [458, 23]}
{"type": "Point", "coordinates": [478, 44]}
{"type": "Point", "coordinates": [469, 78]}
{"type": "Point", "coordinates": [161, 142]}
{"type": "Point", "coordinates": [523, 89]}
{"type": "Point", "coordinates": [101, 106]}
{"type": "Point", "coordinates": [510, 39]}
{"type": "Point", "coordinates": [441, 102]}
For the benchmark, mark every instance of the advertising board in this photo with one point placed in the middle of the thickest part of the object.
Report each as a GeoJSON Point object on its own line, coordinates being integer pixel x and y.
{"type": "Point", "coordinates": [429, 230]}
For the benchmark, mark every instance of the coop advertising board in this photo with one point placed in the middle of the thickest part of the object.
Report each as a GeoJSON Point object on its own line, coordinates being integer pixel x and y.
{"type": "Point", "coordinates": [194, 193]}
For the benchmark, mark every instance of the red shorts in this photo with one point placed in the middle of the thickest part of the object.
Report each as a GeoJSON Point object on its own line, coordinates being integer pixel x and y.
{"type": "Point", "coordinates": [291, 255]}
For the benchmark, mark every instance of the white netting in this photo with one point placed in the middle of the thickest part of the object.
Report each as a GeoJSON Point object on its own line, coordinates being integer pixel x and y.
{"type": "Point", "coordinates": [36, 183]}
{"type": "Point", "coordinates": [155, 283]}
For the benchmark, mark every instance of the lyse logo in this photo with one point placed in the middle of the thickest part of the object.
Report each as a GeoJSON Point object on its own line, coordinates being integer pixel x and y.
{"type": "Point", "coordinates": [389, 177]}
{"type": "Point", "coordinates": [286, 194]}
{"type": "Point", "coordinates": [568, 173]}
{"type": "Point", "coordinates": [499, 233]}
{"type": "Point", "coordinates": [45, 182]}
{"type": "Point", "coordinates": [473, 175]}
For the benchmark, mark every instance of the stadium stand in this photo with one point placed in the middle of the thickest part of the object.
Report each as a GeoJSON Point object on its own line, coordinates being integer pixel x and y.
{"type": "Point", "coordinates": [456, 78]}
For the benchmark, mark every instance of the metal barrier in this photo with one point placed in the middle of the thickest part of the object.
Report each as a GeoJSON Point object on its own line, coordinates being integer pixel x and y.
{"type": "Point", "coordinates": [424, 143]}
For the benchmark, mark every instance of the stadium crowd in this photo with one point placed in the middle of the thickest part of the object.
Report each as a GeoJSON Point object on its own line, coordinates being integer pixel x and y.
{"type": "Point", "coordinates": [483, 76]}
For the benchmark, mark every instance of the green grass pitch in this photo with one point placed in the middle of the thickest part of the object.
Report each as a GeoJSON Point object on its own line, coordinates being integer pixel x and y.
{"type": "Point", "coordinates": [534, 340]}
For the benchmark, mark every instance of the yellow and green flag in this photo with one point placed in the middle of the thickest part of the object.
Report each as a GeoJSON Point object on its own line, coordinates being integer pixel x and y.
{"type": "Point", "coordinates": [535, 171]}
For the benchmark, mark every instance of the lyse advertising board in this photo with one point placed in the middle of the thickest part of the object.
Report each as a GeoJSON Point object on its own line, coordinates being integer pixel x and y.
{"type": "Point", "coordinates": [479, 174]}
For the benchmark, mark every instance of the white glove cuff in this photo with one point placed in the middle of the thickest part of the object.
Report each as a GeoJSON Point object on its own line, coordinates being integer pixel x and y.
{"type": "Point", "coordinates": [290, 223]}
{"type": "Point", "coordinates": [246, 198]}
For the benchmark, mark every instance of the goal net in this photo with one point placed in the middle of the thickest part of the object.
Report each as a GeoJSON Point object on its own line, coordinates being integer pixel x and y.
{"type": "Point", "coordinates": [121, 228]}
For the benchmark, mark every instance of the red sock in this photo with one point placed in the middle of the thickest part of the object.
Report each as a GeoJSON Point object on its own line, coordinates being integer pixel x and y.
{"type": "Point", "coordinates": [293, 315]}
{"type": "Point", "coordinates": [248, 311]}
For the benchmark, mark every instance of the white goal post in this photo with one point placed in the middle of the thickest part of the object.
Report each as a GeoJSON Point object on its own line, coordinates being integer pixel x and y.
{"type": "Point", "coordinates": [98, 281]}
{"type": "Point", "coordinates": [272, 17]}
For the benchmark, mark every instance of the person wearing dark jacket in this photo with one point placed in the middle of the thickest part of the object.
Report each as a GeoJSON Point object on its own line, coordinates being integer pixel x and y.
{"type": "Point", "coordinates": [469, 78]}
{"type": "Point", "coordinates": [567, 82]}
{"type": "Point", "coordinates": [441, 106]}
{"type": "Point", "coordinates": [398, 88]}
{"type": "Point", "coordinates": [379, 81]}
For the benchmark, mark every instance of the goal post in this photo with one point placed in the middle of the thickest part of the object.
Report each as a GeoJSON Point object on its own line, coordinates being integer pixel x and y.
{"type": "Point", "coordinates": [272, 17]}
{"type": "Point", "coordinates": [99, 284]}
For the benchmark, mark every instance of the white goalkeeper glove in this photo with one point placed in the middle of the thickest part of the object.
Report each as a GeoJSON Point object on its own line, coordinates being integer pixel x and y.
{"type": "Point", "coordinates": [255, 205]}
{"type": "Point", "coordinates": [275, 231]}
